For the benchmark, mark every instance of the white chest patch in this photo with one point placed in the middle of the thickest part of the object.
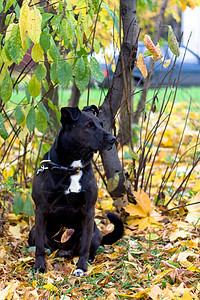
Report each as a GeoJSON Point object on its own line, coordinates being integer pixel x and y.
{"type": "Point", "coordinates": [75, 186]}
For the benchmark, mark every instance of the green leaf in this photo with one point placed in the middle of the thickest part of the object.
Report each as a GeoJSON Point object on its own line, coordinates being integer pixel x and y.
{"type": "Point", "coordinates": [70, 29]}
{"type": "Point", "coordinates": [44, 111]}
{"type": "Point", "coordinates": [96, 70]}
{"type": "Point", "coordinates": [45, 19]}
{"type": "Point", "coordinates": [64, 33]}
{"type": "Point", "coordinates": [173, 44]}
{"type": "Point", "coordinates": [53, 50]}
{"type": "Point", "coordinates": [54, 73]}
{"type": "Point", "coordinates": [113, 16]}
{"type": "Point", "coordinates": [96, 46]}
{"type": "Point", "coordinates": [64, 73]}
{"type": "Point", "coordinates": [41, 122]}
{"type": "Point", "coordinates": [79, 69]}
{"type": "Point", "coordinates": [34, 86]}
{"type": "Point", "coordinates": [6, 88]}
{"type": "Point", "coordinates": [9, 3]}
{"type": "Point", "coordinates": [55, 21]}
{"type": "Point", "coordinates": [79, 35]}
{"type": "Point", "coordinates": [1, 5]}
{"type": "Point", "coordinates": [40, 72]}
{"type": "Point", "coordinates": [82, 84]}
{"type": "Point", "coordinates": [113, 183]}
{"type": "Point", "coordinates": [28, 96]}
{"type": "Point", "coordinates": [18, 204]}
{"type": "Point", "coordinates": [134, 155]}
{"type": "Point", "coordinates": [45, 41]}
{"type": "Point", "coordinates": [19, 115]}
{"type": "Point", "coordinates": [3, 132]}
{"type": "Point", "coordinates": [13, 45]}
{"type": "Point", "coordinates": [79, 3]}
{"type": "Point", "coordinates": [28, 206]}
{"type": "Point", "coordinates": [31, 119]}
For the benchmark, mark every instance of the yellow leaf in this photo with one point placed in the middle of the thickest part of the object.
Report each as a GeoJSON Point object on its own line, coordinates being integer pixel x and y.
{"type": "Point", "coordinates": [106, 204]}
{"type": "Point", "coordinates": [3, 253]}
{"type": "Point", "coordinates": [37, 53]}
{"type": "Point", "coordinates": [167, 63]}
{"type": "Point", "coordinates": [141, 65]}
{"type": "Point", "coordinates": [193, 269]}
{"type": "Point", "coordinates": [144, 201]}
{"type": "Point", "coordinates": [152, 236]}
{"type": "Point", "coordinates": [184, 255]}
{"type": "Point", "coordinates": [7, 293]}
{"type": "Point", "coordinates": [187, 295]}
{"type": "Point", "coordinates": [178, 234]}
{"type": "Point", "coordinates": [34, 25]}
{"type": "Point", "coordinates": [15, 231]}
{"type": "Point", "coordinates": [155, 292]}
{"type": "Point", "coordinates": [87, 23]}
{"type": "Point", "coordinates": [135, 210]}
{"type": "Point", "coordinates": [50, 287]}
{"type": "Point", "coordinates": [159, 276]}
{"type": "Point", "coordinates": [193, 216]}
{"type": "Point", "coordinates": [23, 23]}
{"type": "Point", "coordinates": [8, 31]}
{"type": "Point", "coordinates": [144, 223]}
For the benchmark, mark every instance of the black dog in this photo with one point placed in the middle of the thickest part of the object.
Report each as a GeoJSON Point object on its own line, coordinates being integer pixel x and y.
{"type": "Point", "coordinates": [65, 191]}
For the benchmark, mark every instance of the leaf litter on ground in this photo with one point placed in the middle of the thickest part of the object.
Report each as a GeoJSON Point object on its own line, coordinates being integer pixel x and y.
{"type": "Point", "coordinates": [158, 257]}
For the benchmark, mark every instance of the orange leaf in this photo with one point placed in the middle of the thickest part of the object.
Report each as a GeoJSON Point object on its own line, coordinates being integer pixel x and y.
{"type": "Point", "coordinates": [141, 65]}
{"type": "Point", "coordinates": [150, 46]}
{"type": "Point", "coordinates": [66, 235]}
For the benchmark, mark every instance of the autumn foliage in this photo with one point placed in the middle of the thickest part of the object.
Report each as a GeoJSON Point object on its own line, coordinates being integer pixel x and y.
{"type": "Point", "coordinates": [158, 257]}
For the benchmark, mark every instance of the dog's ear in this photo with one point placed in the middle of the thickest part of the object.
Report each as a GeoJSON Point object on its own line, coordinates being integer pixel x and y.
{"type": "Point", "coordinates": [92, 108]}
{"type": "Point", "coordinates": [69, 114]}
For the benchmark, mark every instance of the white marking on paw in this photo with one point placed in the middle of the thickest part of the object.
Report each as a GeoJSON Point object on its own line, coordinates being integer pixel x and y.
{"type": "Point", "coordinates": [78, 273]}
{"type": "Point", "coordinates": [75, 186]}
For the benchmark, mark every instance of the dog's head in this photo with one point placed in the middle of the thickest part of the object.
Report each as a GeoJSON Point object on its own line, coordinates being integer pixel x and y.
{"type": "Point", "coordinates": [81, 129]}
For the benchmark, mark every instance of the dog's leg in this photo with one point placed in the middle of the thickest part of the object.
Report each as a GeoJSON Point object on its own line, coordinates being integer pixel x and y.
{"type": "Point", "coordinates": [39, 240]}
{"type": "Point", "coordinates": [87, 231]}
{"type": "Point", "coordinates": [95, 243]}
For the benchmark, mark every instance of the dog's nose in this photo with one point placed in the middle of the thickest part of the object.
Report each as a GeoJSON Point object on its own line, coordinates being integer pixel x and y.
{"type": "Point", "coordinates": [112, 139]}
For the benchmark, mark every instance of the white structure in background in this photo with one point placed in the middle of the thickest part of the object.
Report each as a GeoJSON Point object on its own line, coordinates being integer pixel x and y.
{"type": "Point", "coordinates": [191, 23]}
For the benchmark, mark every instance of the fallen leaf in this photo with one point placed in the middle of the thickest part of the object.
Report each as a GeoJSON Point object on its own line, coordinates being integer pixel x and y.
{"type": "Point", "coordinates": [66, 235]}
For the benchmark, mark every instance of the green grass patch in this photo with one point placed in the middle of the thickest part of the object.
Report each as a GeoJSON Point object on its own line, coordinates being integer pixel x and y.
{"type": "Point", "coordinates": [96, 96]}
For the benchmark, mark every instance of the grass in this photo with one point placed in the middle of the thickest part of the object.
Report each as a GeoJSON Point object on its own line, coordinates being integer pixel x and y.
{"type": "Point", "coordinates": [97, 95]}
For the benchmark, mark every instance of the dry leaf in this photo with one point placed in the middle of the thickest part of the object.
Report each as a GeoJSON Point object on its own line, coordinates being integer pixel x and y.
{"type": "Point", "coordinates": [141, 65]}
{"type": "Point", "coordinates": [66, 235]}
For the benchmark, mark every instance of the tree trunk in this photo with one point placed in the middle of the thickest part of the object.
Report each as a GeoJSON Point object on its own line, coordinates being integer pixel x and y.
{"type": "Point", "coordinates": [113, 99]}
{"type": "Point", "coordinates": [75, 96]}
{"type": "Point", "coordinates": [141, 104]}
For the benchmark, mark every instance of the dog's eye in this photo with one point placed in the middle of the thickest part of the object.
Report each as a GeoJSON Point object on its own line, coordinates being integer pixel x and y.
{"type": "Point", "coordinates": [90, 124]}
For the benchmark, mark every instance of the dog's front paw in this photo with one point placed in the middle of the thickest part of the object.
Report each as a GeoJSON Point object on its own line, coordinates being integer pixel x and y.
{"type": "Point", "coordinates": [40, 265]}
{"type": "Point", "coordinates": [78, 273]}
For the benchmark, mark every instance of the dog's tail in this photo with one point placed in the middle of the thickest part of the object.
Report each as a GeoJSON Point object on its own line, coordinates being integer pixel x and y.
{"type": "Point", "coordinates": [117, 233]}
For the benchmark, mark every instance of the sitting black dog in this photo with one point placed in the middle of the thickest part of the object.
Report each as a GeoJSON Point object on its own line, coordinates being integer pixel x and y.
{"type": "Point", "coordinates": [65, 191]}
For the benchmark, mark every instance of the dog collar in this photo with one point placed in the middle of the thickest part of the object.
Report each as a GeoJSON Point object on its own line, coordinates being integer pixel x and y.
{"type": "Point", "coordinates": [49, 165]}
